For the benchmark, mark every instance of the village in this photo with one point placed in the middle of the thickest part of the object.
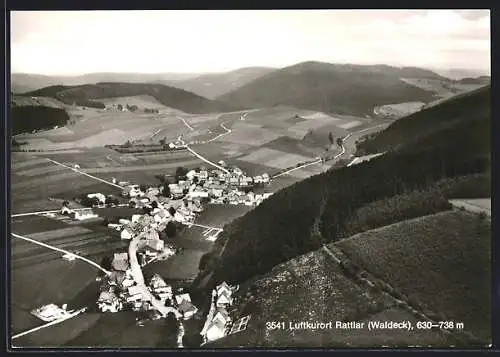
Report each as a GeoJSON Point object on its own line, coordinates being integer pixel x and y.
{"type": "Point", "coordinates": [165, 207]}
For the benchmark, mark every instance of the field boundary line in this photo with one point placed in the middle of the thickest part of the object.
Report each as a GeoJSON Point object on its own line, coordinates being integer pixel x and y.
{"type": "Point", "coordinates": [55, 322]}
{"type": "Point", "coordinates": [88, 261]}
{"type": "Point", "coordinates": [84, 173]}
{"type": "Point", "coordinates": [185, 123]}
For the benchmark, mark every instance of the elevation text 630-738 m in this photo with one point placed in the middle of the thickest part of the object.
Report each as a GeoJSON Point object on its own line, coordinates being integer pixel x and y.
{"type": "Point", "coordinates": [444, 325]}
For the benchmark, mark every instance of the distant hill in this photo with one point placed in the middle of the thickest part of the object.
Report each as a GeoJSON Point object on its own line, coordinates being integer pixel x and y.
{"type": "Point", "coordinates": [25, 82]}
{"type": "Point", "coordinates": [168, 96]}
{"type": "Point", "coordinates": [459, 73]}
{"type": "Point", "coordinates": [332, 88]}
{"type": "Point", "coordinates": [213, 85]}
{"type": "Point", "coordinates": [456, 110]}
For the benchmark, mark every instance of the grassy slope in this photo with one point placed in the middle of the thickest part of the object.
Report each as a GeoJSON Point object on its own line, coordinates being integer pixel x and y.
{"type": "Point", "coordinates": [168, 96]}
{"type": "Point", "coordinates": [443, 260]}
{"type": "Point", "coordinates": [347, 89]}
{"type": "Point", "coordinates": [313, 288]}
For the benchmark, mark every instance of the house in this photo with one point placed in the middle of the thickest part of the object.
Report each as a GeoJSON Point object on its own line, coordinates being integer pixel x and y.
{"type": "Point", "coordinates": [237, 171]}
{"type": "Point", "coordinates": [179, 217]}
{"type": "Point", "coordinates": [223, 288]}
{"type": "Point", "coordinates": [224, 299]}
{"type": "Point", "coordinates": [135, 218]}
{"type": "Point", "coordinates": [134, 293]}
{"type": "Point", "coordinates": [153, 191]}
{"type": "Point", "coordinates": [84, 214]}
{"type": "Point", "coordinates": [120, 261]}
{"type": "Point", "coordinates": [99, 196]}
{"type": "Point", "coordinates": [187, 309]}
{"type": "Point", "coordinates": [222, 315]}
{"type": "Point", "coordinates": [258, 179]}
{"type": "Point", "coordinates": [156, 244]}
{"type": "Point", "coordinates": [198, 193]}
{"type": "Point", "coordinates": [66, 210]}
{"type": "Point", "coordinates": [215, 331]}
{"type": "Point", "coordinates": [123, 221]}
{"type": "Point", "coordinates": [176, 191]}
{"type": "Point", "coordinates": [191, 174]}
{"type": "Point", "coordinates": [265, 178]}
{"type": "Point", "coordinates": [160, 288]}
{"type": "Point", "coordinates": [181, 297]}
{"type": "Point", "coordinates": [162, 216]}
{"type": "Point", "coordinates": [108, 301]}
{"type": "Point", "coordinates": [127, 233]}
{"type": "Point", "coordinates": [203, 175]}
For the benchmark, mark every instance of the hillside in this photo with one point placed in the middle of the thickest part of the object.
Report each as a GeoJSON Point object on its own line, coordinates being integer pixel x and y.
{"type": "Point", "coordinates": [168, 96]}
{"type": "Point", "coordinates": [331, 88]}
{"type": "Point", "coordinates": [457, 110]}
{"type": "Point", "coordinates": [388, 285]}
{"type": "Point", "coordinates": [213, 85]}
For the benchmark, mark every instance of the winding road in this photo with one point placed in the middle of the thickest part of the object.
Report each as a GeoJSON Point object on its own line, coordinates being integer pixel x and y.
{"type": "Point", "coordinates": [139, 279]}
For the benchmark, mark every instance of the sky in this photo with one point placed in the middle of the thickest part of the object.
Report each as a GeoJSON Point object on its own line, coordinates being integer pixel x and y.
{"type": "Point", "coordinates": [197, 41]}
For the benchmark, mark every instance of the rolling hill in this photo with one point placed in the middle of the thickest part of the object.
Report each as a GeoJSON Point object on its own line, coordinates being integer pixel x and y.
{"type": "Point", "coordinates": [213, 85]}
{"type": "Point", "coordinates": [448, 156]}
{"type": "Point", "coordinates": [332, 88]}
{"type": "Point", "coordinates": [168, 96]}
{"type": "Point", "coordinates": [456, 110]}
{"type": "Point", "coordinates": [26, 82]}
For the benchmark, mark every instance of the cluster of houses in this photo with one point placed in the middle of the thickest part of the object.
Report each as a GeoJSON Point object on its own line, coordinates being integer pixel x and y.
{"type": "Point", "coordinates": [120, 291]}
{"type": "Point", "coordinates": [219, 187]}
{"type": "Point", "coordinates": [218, 322]}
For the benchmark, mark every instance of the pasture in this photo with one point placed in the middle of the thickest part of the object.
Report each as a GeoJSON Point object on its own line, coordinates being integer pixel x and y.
{"type": "Point", "coordinates": [453, 252]}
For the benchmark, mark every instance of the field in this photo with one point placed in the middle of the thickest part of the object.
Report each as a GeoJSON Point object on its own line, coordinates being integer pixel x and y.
{"type": "Point", "coordinates": [453, 251]}
{"type": "Point", "coordinates": [311, 288]}
{"type": "Point", "coordinates": [398, 110]}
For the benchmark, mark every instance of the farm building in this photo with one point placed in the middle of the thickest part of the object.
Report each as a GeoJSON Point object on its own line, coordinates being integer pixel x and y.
{"type": "Point", "coordinates": [120, 262]}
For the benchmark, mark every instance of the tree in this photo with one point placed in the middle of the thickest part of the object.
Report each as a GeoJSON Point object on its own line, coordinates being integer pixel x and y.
{"type": "Point", "coordinates": [120, 107]}
{"type": "Point", "coordinates": [127, 144]}
{"type": "Point", "coordinates": [331, 138]}
{"type": "Point", "coordinates": [165, 191]}
{"type": "Point", "coordinates": [143, 188]}
{"type": "Point", "coordinates": [106, 262]}
{"type": "Point", "coordinates": [163, 141]}
{"type": "Point", "coordinates": [15, 143]}
{"type": "Point", "coordinates": [180, 173]}
{"type": "Point", "coordinates": [154, 204]}
{"type": "Point", "coordinates": [146, 210]}
{"type": "Point", "coordinates": [195, 179]}
{"type": "Point", "coordinates": [339, 142]}
{"type": "Point", "coordinates": [172, 211]}
{"type": "Point", "coordinates": [171, 229]}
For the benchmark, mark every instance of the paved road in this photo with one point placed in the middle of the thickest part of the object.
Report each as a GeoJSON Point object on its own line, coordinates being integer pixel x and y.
{"type": "Point", "coordinates": [139, 279]}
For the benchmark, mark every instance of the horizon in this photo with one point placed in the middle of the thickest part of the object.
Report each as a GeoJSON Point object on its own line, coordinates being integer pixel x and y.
{"type": "Point", "coordinates": [128, 42]}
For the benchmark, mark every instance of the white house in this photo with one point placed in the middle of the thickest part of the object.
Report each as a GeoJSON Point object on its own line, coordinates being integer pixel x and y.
{"type": "Point", "coordinates": [135, 218]}
{"type": "Point", "coordinates": [98, 195]}
{"type": "Point", "coordinates": [181, 297]}
{"type": "Point", "coordinates": [127, 233]}
{"type": "Point", "coordinates": [134, 293]}
{"type": "Point", "coordinates": [222, 315]}
{"type": "Point", "coordinates": [215, 331]}
{"type": "Point", "coordinates": [191, 174]}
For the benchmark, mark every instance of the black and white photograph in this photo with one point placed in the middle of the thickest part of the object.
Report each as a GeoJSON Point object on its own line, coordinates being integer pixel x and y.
{"type": "Point", "coordinates": [250, 179]}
